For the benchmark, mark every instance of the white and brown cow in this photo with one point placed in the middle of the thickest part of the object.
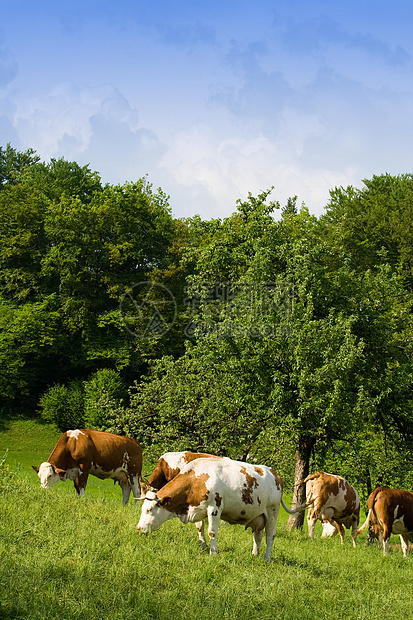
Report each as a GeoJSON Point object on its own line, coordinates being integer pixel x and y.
{"type": "Point", "coordinates": [79, 453]}
{"type": "Point", "coordinates": [168, 467]}
{"type": "Point", "coordinates": [390, 511]}
{"type": "Point", "coordinates": [219, 488]}
{"type": "Point", "coordinates": [170, 464]}
{"type": "Point", "coordinates": [334, 502]}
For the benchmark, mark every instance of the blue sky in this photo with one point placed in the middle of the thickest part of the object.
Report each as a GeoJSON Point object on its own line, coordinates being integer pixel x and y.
{"type": "Point", "coordinates": [213, 100]}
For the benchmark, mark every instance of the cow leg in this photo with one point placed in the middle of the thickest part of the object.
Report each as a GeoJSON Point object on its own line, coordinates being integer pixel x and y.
{"type": "Point", "coordinates": [405, 545]}
{"type": "Point", "coordinates": [201, 534]}
{"type": "Point", "coordinates": [126, 489]}
{"type": "Point", "coordinates": [125, 485]}
{"type": "Point", "coordinates": [214, 516]}
{"type": "Point", "coordinates": [340, 530]}
{"type": "Point", "coordinates": [380, 541]}
{"type": "Point", "coordinates": [136, 488]}
{"type": "Point", "coordinates": [270, 526]}
{"type": "Point", "coordinates": [79, 490]}
{"type": "Point", "coordinates": [258, 536]}
{"type": "Point", "coordinates": [311, 521]}
{"type": "Point", "coordinates": [386, 538]}
{"type": "Point", "coordinates": [353, 532]}
{"type": "Point", "coordinates": [81, 481]}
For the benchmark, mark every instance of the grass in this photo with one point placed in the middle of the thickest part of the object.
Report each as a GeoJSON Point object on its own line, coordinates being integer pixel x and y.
{"type": "Point", "coordinates": [62, 557]}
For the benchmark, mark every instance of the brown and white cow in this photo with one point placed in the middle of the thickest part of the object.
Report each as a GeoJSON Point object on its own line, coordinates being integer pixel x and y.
{"type": "Point", "coordinates": [334, 502]}
{"type": "Point", "coordinates": [170, 464]}
{"type": "Point", "coordinates": [219, 488]}
{"type": "Point", "coordinates": [168, 467]}
{"type": "Point", "coordinates": [390, 511]}
{"type": "Point", "coordinates": [79, 453]}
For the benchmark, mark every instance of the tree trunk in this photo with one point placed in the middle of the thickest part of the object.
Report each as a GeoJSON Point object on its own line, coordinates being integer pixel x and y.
{"type": "Point", "coordinates": [302, 468]}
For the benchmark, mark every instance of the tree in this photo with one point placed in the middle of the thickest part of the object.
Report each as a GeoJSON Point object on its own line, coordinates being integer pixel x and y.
{"type": "Point", "coordinates": [307, 368]}
{"type": "Point", "coordinates": [375, 219]}
{"type": "Point", "coordinates": [103, 389]}
{"type": "Point", "coordinates": [22, 243]}
{"type": "Point", "coordinates": [59, 177]}
{"type": "Point", "coordinates": [28, 335]}
{"type": "Point", "coordinates": [73, 248]}
{"type": "Point", "coordinates": [13, 164]}
{"type": "Point", "coordinates": [290, 208]}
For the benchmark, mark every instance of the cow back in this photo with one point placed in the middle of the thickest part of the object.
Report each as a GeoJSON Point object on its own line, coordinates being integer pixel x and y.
{"type": "Point", "coordinates": [170, 465]}
{"type": "Point", "coordinates": [242, 488]}
{"type": "Point", "coordinates": [87, 446]}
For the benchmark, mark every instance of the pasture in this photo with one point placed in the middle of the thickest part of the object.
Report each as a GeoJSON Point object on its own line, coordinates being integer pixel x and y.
{"type": "Point", "coordinates": [62, 557]}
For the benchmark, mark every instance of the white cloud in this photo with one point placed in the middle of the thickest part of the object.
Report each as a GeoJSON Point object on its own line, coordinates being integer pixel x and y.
{"type": "Point", "coordinates": [304, 104]}
{"type": "Point", "coordinates": [66, 113]}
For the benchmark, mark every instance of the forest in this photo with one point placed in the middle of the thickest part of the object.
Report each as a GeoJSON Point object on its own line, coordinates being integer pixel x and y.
{"type": "Point", "coordinates": [270, 335]}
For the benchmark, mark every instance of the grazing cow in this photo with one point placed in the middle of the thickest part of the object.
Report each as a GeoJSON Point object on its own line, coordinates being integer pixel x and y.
{"type": "Point", "coordinates": [82, 452]}
{"type": "Point", "coordinates": [335, 502]}
{"type": "Point", "coordinates": [219, 488]}
{"type": "Point", "coordinates": [390, 511]}
{"type": "Point", "coordinates": [168, 467]}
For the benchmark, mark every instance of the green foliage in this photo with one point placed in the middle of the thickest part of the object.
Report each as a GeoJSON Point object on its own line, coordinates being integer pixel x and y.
{"type": "Point", "coordinates": [13, 164]}
{"type": "Point", "coordinates": [64, 406]}
{"type": "Point", "coordinates": [104, 391]}
{"type": "Point", "coordinates": [374, 219]}
{"type": "Point", "coordinates": [61, 177]}
{"type": "Point", "coordinates": [69, 251]}
{"type": "Point", "coordinates": [22, 242]}
{"type": "Point", "coordinates": [28, 337]}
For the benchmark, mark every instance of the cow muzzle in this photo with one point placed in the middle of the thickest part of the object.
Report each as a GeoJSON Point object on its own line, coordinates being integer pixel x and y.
{"type": "Point", "coordinates": [145, 529]}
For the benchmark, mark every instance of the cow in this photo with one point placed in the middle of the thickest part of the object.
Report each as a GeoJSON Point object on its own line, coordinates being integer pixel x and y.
{"type": "Point", "coordinates": [334, 502]}
{"type": "Point", "coordinates": [219, 488]}
{"type": "Point", "coordinates": [168, 466]}
{"type": "Point", "coordinates": [79, 453]}
{"type": "Point", "coordinates": [390, 511]}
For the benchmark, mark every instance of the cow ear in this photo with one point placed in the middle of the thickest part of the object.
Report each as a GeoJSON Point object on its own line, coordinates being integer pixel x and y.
{"type": "Point", "coordinates": [36, 469]}
{"type": "Point", "coordinates": [61, 473]}
{"type": "Point", "coordinates": [145, 488]}
{"type": "Point", "coordinates": [164, 501]}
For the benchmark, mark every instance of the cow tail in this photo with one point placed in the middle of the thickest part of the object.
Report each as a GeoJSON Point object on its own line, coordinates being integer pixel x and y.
{"type": "Point", "coordinates": [365, 524]}
{"type": "Point", "coordinates": [317, 474]}
{"type": "Point", "coordinates": [294, 511]}
{"type": "Point", "coordinates": [371, 503]}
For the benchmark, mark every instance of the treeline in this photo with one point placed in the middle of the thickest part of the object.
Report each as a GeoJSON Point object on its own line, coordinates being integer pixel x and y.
{"type": "Point", "coordinates": [287, 340]}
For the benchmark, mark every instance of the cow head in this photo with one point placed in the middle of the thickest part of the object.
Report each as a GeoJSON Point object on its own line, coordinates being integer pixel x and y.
{"type": "Point", "coordinates": [154, 512]}
{"type": "Point", "coordinates": [49, 475]}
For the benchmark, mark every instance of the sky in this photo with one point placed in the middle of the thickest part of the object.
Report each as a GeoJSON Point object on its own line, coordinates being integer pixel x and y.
{"type": "Point", "coordinates": [213, 100]}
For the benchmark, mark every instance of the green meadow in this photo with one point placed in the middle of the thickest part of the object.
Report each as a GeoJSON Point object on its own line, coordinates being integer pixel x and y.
{"type": "Point", "coordinates": [64, 557]}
